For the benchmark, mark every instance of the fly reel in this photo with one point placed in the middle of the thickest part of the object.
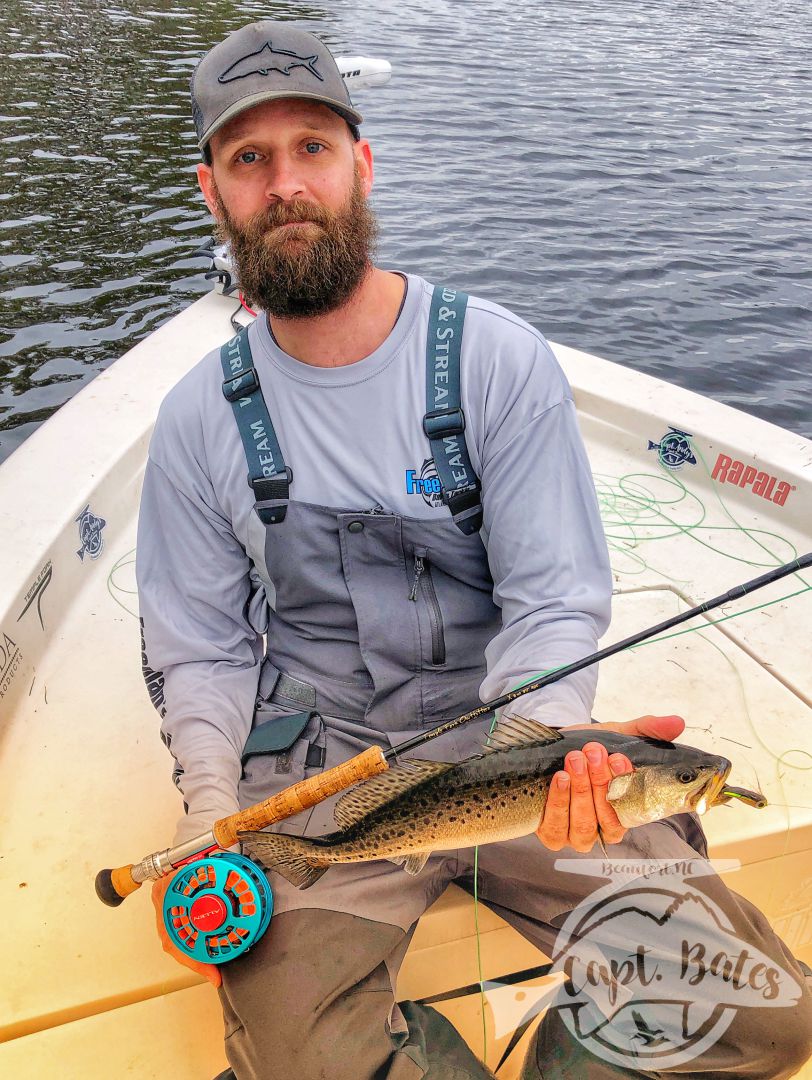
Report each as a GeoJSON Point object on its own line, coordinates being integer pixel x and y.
{"type": "Point", "coordinates": [217, 907]}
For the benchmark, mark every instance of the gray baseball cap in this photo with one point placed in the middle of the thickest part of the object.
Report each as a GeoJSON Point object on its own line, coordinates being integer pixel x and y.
{"type": "Point", "coordinates": [260, 62]}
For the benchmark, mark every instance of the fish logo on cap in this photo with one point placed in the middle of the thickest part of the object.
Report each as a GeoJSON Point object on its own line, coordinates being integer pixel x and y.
{"type": "Point", "coordinates": [262, 62]}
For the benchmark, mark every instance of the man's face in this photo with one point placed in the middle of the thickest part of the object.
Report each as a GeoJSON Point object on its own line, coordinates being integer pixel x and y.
{"type": "Point", "coordinates": [289, 187]}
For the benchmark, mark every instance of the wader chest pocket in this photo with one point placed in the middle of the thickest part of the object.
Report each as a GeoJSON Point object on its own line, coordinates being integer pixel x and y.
{"type": "Point", "coordinates": [423, 585]}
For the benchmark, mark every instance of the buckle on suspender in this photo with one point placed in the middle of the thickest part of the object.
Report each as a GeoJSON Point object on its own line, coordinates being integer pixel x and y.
{"type": "Point", "coordinates": [465, 507]}
{"type": "Point", "coordinates": [244, 383]}
{"type": "Point", "coordinates": [272, 487]}
{"type": "Point", "coordinates": [271, 494]}
{"type": "Point", "coordinates": [441, 423]}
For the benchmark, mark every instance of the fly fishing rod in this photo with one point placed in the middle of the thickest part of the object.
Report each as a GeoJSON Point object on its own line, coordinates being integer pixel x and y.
{"type": "Point", "coordinates": [736, 593]}
{"type": "Point", "coordinates": [112, 886]}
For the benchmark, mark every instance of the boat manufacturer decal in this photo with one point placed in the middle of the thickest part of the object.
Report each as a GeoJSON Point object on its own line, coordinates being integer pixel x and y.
{"type": "Point", "coordinates": [37, 591]}
{"type": "Point", "coordinates": [426, 484]}
{"type": "Point", "coordinates": [262, 62]}
{"type": "Point", "coordinates": [10, 660]}
{"type": "Point", "coordinates": [674, 449]}
{"type": "Point", "coordinates": [90, 533]}
{"type": "Point", "coordinates": [153, 679]}
{"type": "Point", "coordinates": [729, 470]}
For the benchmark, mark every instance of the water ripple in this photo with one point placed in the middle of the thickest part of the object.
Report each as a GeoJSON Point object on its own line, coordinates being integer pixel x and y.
{"type": "Point", "coordinates": [632, 180]}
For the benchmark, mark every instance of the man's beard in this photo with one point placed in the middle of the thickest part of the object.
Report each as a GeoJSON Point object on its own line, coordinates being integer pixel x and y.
{"type": "Point", "coordinates": [301, 272]}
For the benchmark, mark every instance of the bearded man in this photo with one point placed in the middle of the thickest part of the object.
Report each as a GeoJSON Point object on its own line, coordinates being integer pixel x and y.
{"type": "Point", "coordinates": [419, 532]}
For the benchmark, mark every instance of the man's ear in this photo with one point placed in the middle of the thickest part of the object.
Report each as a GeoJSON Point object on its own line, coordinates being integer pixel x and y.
{"type": "Point", "coordinates": [205, 178]}
{"type": "Point", "coordinates": [364, 164]}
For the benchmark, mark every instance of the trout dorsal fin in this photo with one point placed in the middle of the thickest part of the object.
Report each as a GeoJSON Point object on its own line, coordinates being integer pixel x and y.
{"type": "Point", "coordinates": [370, 794]}
{"type": "Point", "coordinates": [513, 731]}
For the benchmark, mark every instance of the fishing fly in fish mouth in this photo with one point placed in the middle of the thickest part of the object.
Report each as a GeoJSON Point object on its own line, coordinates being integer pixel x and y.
{"type": "Point", "coordinates": [420, 807]}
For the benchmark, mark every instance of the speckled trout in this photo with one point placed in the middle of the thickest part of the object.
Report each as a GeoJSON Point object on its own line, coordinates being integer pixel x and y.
{"type": "Point", "coordinates": [418, 807]}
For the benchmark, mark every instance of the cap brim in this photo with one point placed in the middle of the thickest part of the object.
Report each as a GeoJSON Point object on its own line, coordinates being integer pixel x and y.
{"type": "Point", "coordinates": [350, 115]}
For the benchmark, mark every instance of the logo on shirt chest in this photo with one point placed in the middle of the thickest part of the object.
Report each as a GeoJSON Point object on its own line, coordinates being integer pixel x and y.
{"type": "Point", "coordinates": [427, 483]}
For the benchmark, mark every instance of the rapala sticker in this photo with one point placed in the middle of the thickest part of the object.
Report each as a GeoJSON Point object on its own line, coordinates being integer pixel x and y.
{"type": "Point", "coordinates": [673, 449]}
{"type": "Point", "coordinates": [90, 533]}
{"type": "Point", "coordinates": [728, 470]}
{"type": "Point", "coordinates": [10, 660]}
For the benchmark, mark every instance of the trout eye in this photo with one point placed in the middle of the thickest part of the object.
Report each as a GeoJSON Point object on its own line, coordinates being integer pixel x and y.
{"type": "Point", "coordinates": [687, 776]}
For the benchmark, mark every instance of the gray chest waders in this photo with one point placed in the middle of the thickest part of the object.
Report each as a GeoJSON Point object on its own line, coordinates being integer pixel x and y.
{"type": "Point", "coordinates": [378, 628]}
{"type": "Point", "coordinates": [376, 618]}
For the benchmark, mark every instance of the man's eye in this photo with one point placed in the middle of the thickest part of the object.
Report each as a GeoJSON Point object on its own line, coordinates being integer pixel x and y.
{"type": "Point", "coordinates": [313, 147]}
{"type": "Point", "coordinates": [248, 157]}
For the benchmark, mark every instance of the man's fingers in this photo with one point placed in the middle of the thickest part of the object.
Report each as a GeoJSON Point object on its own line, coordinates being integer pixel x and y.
{"type": "Point", "coordinates": [666, 728]}
{"type": "Point", "coordinates": [209, 971]}
{"type": "Point", "coordinates": [553, 829]}
{"type": "Point", "coordinates": [601, 775]}
{"type": "Point", "coordinates": [212, 973]}
{"type": "Point", "coordinates": [583, 822]}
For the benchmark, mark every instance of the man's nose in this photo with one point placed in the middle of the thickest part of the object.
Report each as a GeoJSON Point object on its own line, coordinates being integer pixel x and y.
{"type": "Point", "coordinates": [283, 181]}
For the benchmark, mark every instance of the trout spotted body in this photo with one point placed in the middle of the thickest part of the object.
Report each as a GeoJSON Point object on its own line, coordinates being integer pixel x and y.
{"type": "Point", "coordinates": [419, 807]}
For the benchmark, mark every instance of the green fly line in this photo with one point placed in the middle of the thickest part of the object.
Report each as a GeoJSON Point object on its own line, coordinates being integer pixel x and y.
{"type": "Point", "coordinates": [634, 513]}
{"type": "Point", "coordinates": [115, 588]}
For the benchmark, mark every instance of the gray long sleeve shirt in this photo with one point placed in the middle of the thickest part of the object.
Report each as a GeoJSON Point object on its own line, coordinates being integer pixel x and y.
{"type": "Point", "coordinates": [351, 434]}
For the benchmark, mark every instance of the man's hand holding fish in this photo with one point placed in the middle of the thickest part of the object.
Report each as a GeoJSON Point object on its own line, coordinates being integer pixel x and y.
{"type": "Point", "coordinates": [577, 805]}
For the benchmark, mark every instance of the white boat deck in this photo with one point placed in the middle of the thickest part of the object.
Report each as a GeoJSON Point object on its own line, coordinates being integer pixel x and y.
{"type": "Point", "coordinates": [86, 781]}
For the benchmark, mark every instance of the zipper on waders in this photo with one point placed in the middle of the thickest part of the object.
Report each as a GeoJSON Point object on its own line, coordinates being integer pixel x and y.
{"type": "Point", "coordinates": [423, 580]}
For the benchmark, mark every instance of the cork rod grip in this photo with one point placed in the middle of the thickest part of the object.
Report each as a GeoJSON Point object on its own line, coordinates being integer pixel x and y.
{"type": "Point", "coordinates": [301, 796]}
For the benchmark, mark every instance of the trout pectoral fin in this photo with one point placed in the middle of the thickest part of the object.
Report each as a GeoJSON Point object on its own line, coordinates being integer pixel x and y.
{"type": "Point", "coordinates": [618, 787]}
{"type": "Point", "coordinates": [412, 864]}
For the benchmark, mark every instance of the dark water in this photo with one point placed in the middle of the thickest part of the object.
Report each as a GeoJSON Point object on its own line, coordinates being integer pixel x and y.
{"type": "Point", "coordinates": [632, 178]}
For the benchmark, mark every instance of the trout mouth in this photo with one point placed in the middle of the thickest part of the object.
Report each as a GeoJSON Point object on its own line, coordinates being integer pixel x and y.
{"type": "Point", "coordinates": [712, 792]}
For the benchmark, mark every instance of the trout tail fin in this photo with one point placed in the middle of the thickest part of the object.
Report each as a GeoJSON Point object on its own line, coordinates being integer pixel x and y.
{"type": "Point", "coordinates": [291, 856]}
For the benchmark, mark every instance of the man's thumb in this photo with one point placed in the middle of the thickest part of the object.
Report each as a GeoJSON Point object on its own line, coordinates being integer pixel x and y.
{"type": "Point", "coordinates": [667, 728]}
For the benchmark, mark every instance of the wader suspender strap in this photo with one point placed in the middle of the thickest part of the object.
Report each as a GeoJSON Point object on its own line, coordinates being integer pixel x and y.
{"type": "Point", "coordinates": [444, 422]}
{"type": "Point", "coordinates": [268, 476]}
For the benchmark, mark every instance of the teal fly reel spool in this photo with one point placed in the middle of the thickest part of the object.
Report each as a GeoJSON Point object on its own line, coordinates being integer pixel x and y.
{"type": "Point", "coordinates": [217, 907]}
